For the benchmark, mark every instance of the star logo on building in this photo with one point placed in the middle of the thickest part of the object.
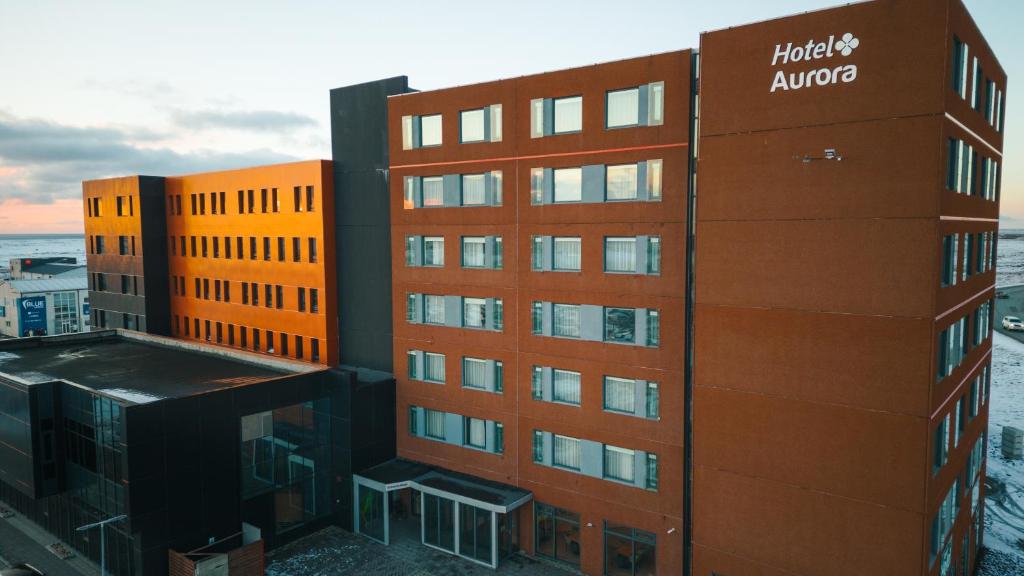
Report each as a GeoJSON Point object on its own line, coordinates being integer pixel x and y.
{"type": "Point", "coordinates": [847, 43]}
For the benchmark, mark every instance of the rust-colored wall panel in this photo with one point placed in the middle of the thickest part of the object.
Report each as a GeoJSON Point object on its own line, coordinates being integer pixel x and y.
{"type": "Point", "coordinates": [285, 223]}
{"type": "Point", "coordinates": [869, 266]}
{"type": "Point", "coordinates": [800, 530]}
{"type": "Point", "coordinates": [868, 362]}
{"type": "Point", "coordinates": [788, 441]}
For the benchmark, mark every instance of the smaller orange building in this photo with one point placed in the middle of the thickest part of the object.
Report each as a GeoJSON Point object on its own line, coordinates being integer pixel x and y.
{"type": "Point", "coordinates": [245, 252]}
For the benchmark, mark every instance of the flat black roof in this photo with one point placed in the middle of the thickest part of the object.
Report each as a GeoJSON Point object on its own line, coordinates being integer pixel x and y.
{"type": "Point", "coordinates": [134, 370]}
{"type": "Point", "coordinates": [457, 483]}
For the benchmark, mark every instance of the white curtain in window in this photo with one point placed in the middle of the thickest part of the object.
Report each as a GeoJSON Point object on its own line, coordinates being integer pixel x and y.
{"type": "Point", "coordinates": [473, 312]}
{"type": "Point", "coordinates": [618, 463]}
{"type": "Point", "coordinates": [433, 309]}
{"type": "Point", "coordinates": [566, 386]}
{"type": "Point", "coordinates": [568, 114]}
{"type": "Point", "coordinates": [620, 254]}
{"type": "Point", "coordinates": [619, 394]}
{"type": "Point", "coordinates": [624, 107]}
{"type": "Point", "coordinates": [473, 252]}
{"type": "Point", "coordinates": [475, 432]}
{"type": "Point", "coordinates": [433, 367]}
{"type": "Point", "coordinates": [474, 372]}
{"type": "Point", "coordinates": [471, 123]}
{"type": "Point", "coordinates": [433, 191]}
{"type": "Point", "coordinates": [621, 183]}
{"type": "Point", "coordinates": [566, 320]}
{"type": "Point", "coordinates": [434, 425]}
{"type": "Point", "coordinates": [566, 452]}
{"type": "Point", "coordinates": [433, 251]}
{"type": "Point", "coordinates": [566, 254]}
{"type": "Point", "coordinates": [473, 190]}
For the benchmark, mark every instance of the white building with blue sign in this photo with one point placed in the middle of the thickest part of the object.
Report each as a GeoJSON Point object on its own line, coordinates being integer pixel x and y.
{"type": "Point", "coordinates": [44, 307]}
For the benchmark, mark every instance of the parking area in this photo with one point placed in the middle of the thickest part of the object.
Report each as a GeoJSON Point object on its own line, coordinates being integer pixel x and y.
{"type": "Point", "coordinates": [1009, 302]}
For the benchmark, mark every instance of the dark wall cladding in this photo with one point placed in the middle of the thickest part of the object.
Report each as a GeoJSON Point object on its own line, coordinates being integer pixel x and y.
{"type": "Point", "coordinates": [156, 277]}
{"type": "Point", "coordinates": [359, 147]}
{"type": "Point", "coordinates": [16, 437]}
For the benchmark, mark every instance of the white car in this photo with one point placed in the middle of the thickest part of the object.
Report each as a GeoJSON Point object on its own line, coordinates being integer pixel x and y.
{"type": "Point", "coordinates": [1012, 323]}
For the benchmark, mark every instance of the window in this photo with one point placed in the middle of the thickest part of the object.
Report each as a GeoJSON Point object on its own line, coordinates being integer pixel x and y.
{"type": "Point", "coordinates": [433, 309]}
{"type": "Point", "coordinates": [629, 551]}
{"type": "Point", "coordinates": [227, 247]}
{"type": "Point", "coordinates": [435, 422]}
{"type": "Point", "coordinates": [568, 184]}
{"type": "Point", "coordinates": [263, 200]}
{"type": "Point", "coordinates": [252, 247]}
{"type": "Point", "coordinates": [279, 296]}
{"type": "Point", "coordinates": [619, 395]}
{"type": "Point", "coordinates": [433, 367]}
{"type": "Point", "coordinates": [537, 318]}
{"type": "Point", "coordinates": [471, 127]}
{"type": "Point", "coordinates": [565, 387]}
{"type": "Point", "coordinates": [433, 191]}
{"type": "Point", "coordinates": [474, 373]}
{"type": "Point", "coordinates": [620, 182]}
{"type": "Point", "coordinates": [565, 452]}
{"type": "Point", "coordinates": [280, 249]}
{"type": "Point", "coordinates": [474, 312]}
{"type": "Point", "coordinates": [433, 251]}
{"type": "Point", "coordinates": [314, 300]}
{"type": "Point", "coordinates": [296, 250]}
{"type": "Point", "coordinates": [275, 206]}
{"type": "Point", "coordinates": [638, 106]}
{"type": "Point", "coordinates": [618, 463]}
{"type": "Point", "coordinates": [941, 446]}
{"type": "Point", "coordinates": [565, 320]}
{"type": "Point", "coordinates": [949, 259]}
{"type": "Point", "coordinates": [268, 292]}
{"type": "Point", "coordinates": [475, 433]}
{"type": "Point", "coordinates": [474, 250]}
{"type": "Point", "coordinates": [474, 189]}
{"type": "Point", "coordinates": [266, 248]}
{"type": "Point", "coordinates": [623, 108]}
{"type": "Point", "coordinates": [421, 131]}
{"type": "Point", "coordinates": [566, 254]}
{"type": "Point", "coordinates": [959, 71]}
{"type": "Point", "coordinates": [568, 114]}
{"type": "Point", "coordinates": [254, 289]}
{"type": "Point", "coordinates": [315, 353]}
{"type": "Point", "coordinates": [653, 328]}
{"type": "Point", "coordinates": [252, 202]}
{"type": "Point", "coordinates": [654, 255]}
{"type": "Point", "coordinates": [537, 383]}
{"type": "Point", "coordinates": [480, 125]}
{"type": "Point", "coordinates": [499, 438]}
{"type": "Point", "coordinates": [312, 250]}
{"type": "Point", "coordinates": [122, 245]}
{"type": "Point", "coordinates": [620, 254]}
{"type": "Point", "coordinates": [620, 325]}
{"type": "Point", "coordinates": [538, 446]}
{"type": "Point", "coordinates": [301, 299]}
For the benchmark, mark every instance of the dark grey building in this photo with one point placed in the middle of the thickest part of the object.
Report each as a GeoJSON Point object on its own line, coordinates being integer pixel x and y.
{"type": "Point", "coordinates": [359, 144]}
{"type": "Point", "coordinates": [188, 442]}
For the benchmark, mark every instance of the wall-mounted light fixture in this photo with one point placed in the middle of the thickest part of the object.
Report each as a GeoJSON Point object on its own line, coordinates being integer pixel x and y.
{"type": "Point", "coordinates": [830, 154]}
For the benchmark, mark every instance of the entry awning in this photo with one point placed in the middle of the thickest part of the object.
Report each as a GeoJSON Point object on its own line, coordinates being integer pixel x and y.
{"type": "Point", "coordinates": [489, 495]}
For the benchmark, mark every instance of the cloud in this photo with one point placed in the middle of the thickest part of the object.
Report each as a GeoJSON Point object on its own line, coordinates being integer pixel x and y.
{"type": "Point", "coordinates": [252, 120]}
{"type": "Point", "coordinates": [41, 161]}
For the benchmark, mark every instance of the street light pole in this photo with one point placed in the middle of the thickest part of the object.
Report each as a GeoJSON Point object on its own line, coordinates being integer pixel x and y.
{"type": "Point", "coordinates": [103, 548]}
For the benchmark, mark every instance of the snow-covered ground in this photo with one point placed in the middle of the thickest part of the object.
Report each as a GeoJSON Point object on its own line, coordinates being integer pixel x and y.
{"type": "Point", "coordinates": [1004, 521]}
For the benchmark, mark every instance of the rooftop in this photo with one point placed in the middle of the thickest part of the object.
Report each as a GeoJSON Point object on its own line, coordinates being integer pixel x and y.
{"type": "Point", "coordinates": [136, 369]}
{"type": "Point", "coordinates": [59, 284]}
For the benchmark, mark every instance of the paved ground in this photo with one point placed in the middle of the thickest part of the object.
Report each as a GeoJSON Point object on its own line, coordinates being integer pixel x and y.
{"type": "Point", "coordinates": [335, 552]}
{"type": "Point", "coordinates": [23, 541]}
{"type": "Point", "coordinates": [1013, 305]}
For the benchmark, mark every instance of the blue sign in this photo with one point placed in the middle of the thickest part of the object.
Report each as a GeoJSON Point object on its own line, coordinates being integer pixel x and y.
{"type": "Point", "coordinates": [32, 315]}
{"type": "Point", "coordinates": [3, 311]}
{"type": "Point", "coordinates": [85, 309]}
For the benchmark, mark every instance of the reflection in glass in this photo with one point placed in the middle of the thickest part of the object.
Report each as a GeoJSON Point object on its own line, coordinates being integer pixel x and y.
{"type": "Point", "coordinates": [568, 114]}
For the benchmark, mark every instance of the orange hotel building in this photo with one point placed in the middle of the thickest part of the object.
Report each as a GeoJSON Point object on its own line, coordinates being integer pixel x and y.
{"type": "Point", "coordinates": [723, 311]}
{"type": "Point", "coordinates": [243, 251]}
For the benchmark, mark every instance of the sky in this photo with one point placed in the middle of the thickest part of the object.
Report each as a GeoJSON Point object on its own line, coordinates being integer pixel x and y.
{"type": "Point", "coordinates": [110, 88]}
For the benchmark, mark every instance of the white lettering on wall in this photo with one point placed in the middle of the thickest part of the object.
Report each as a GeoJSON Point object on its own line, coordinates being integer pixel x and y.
{"type": "Point", "coordinates": [820, 76]}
